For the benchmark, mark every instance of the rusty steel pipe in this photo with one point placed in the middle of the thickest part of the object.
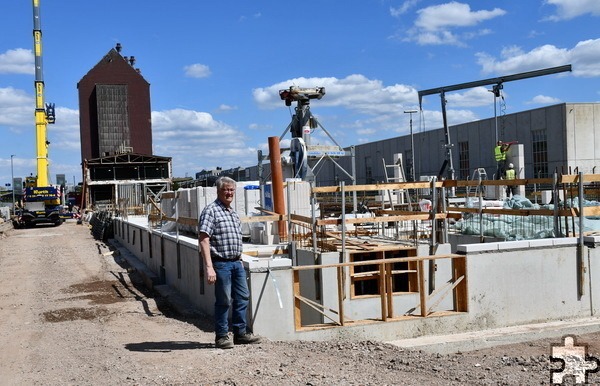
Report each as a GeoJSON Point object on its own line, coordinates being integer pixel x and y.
{"type": "Point", "coordinates": [277, 184]}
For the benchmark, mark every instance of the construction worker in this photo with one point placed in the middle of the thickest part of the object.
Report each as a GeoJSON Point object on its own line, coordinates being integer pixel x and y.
{"type": "Point", "coordinates": [510, 175]}
{"type": "Point", "coordinates": [500, 156]}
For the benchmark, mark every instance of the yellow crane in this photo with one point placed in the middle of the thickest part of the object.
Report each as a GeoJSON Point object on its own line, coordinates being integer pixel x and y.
{"type": "Point", "coordinates": [41, 201]}
{"type": "Point", "coordinates": [44, 113]}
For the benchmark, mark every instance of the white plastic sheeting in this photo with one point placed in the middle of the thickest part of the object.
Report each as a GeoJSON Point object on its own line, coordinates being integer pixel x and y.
{"type": "Point", "coordinates": [510, 227]}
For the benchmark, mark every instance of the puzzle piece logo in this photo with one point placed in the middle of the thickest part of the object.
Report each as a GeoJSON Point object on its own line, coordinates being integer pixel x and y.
{"type": "Point", "coordinates": [576, 362]}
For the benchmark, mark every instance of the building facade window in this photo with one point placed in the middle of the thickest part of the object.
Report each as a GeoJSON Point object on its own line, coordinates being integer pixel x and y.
{"type": "Point", "coordinates": [463, 160]}
{"type": "Point", "coordinates": [539, 151]}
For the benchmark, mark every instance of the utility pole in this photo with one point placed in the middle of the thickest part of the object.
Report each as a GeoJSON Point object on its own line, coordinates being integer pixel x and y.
{"type": "Point", "coordinates": [12, 182]}
{"type": "Point", "coordinates": [412, 145]}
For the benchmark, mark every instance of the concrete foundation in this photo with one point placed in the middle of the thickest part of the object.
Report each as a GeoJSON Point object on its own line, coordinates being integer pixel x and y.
{"type": "Point", "coordinates": [508, 284]}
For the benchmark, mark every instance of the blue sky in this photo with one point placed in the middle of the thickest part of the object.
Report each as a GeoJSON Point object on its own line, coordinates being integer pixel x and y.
{"type": "Point", "coordinates": [215, 68]}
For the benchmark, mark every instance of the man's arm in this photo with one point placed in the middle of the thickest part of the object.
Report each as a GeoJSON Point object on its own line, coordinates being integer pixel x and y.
{"type": "Point", "coordinates": [204, 244]}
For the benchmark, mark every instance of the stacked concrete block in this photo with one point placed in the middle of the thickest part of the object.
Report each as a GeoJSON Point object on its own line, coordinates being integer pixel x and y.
{"type": "Point", "coordinates": [299, 193]}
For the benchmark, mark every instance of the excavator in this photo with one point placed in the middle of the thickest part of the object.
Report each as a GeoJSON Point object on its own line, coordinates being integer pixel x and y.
{"type": "Point", "coordinates": [41, 200]}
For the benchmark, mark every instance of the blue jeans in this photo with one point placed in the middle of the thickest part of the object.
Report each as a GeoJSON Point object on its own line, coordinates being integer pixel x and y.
{"type": "Point", "coordinates": [231, 289]}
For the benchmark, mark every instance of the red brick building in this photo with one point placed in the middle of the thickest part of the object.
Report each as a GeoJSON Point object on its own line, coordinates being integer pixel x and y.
{"type": "Point", "coordinates": [119, 169]}
{"type": "Point", "coordinates": [114, 109]}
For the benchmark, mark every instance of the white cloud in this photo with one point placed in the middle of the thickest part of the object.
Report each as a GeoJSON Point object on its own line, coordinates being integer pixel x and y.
{"type": "Point", "coordinates": [434, 25]}
{"type": "Point", "coordinates": [64, 134]}
{"type": "Point", "coordinates": [17, 61]}
{"type": "Point", "coordinates": [569, 9]}
{"type": "Point", "coordinates": [197, 70]}
{"type": "Point", "coordinates": [16, 107]}
{"type": "Point", "coordinates": [408, 4]}
{"type": "Point", "coordinates": [366, 131]}
{"type": "Point", "coordinates": [453, 14]}
{"type": "Point", "coordinates": [585, 58]}
{"type": "Point", "coordinates": [223, 108]}
{"type": "Point", "coordinates": [474, 97]}
{"type": "Point", "coordinates": [543, 100]}
{"type": "Point", "coordinates": [355, 92]}
{"type": "Point", "coordinates": [197, 141]}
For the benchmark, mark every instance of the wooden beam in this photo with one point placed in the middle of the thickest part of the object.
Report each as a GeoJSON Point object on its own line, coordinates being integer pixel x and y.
{"type": "Point", "coordinates": [461, 294]}
{"type": "Point", "coordinates": [378, 261]}
{"type": "Point", "coordinates": [422, 293]}
{"type": "Point", "coordinates": [340, 285]}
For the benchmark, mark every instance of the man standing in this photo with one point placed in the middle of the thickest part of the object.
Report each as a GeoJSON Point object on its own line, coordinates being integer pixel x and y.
{"type": "Point", "coordinates": [510, 175]}
{"type": "Point", "coordinates": [500, 157]}
{"type": "Point", "coordinates": [220, 242]}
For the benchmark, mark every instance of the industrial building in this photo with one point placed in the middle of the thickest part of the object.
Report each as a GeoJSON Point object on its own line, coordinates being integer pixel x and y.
{"type": "Point", "coordinates": [119, 168]}
{"type": "Point", "coordinates": [558, 138]}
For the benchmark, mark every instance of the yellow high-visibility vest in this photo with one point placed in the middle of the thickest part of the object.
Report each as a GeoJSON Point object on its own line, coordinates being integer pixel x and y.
{"type": "Point", "coordinates": [499, 154]}
{"type": "Point", "coordinates": [510, 174]}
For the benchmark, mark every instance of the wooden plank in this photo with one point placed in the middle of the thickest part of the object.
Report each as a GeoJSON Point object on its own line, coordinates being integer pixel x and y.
{"type": "Point", "coordinates": [276, 251]}
{"type": "Point", "coordinates": [416, 216]}
{"type": "Point", "coordinates": [422, 293]}
{"type": "Point", "coordinates": [297, 302]}
{"type": "Point", "coordinates": [251, 219]}
{"type": "Point", "coordinates": [389, 290]}
{"type": "Point", "coordinates": [515, 212]}
{"type": "Point", "coordinates": [378, 186]}
{"type": "Point", "coordinates": [349, 242]}
{"type": "Point", "coordinates": [591, 210]}
{"type": "Point", "coordinates": [445, 293]}
{"type": "Point", "coordinates": [378, 261]}
{"type": "Point", "coordinates": [300, 218]}
{"type": "Point", "coordinates": [461, 295]}
{"type": "Point", "coordinates": [340, 285]}
{"type": "Point", "coordinates": [382, 292]}
{"type": "Point", "coordinates": [314, 307]}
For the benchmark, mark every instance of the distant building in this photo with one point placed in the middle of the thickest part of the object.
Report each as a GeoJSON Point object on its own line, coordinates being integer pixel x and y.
{"type": "Point", "coordinates": [119, 168]}
{"type": "Point", "coordinates": [114, 108]}
{"type": "Point", "coordinates": [559, 138]}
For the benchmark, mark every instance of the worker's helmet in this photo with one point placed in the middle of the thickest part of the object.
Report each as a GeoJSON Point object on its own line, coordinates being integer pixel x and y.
{"type": "Point", "coordinates": [510, 166]}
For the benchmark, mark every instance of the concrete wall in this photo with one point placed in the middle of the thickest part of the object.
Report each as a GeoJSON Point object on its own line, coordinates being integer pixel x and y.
{"type": "Point", "coordinates": [509, 283]}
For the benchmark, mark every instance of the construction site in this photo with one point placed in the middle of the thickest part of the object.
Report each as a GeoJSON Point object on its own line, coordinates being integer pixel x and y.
{"type": "Point", "coordinates": [388, 241]}
{"type": "Point", "coordinates": [389, 261]}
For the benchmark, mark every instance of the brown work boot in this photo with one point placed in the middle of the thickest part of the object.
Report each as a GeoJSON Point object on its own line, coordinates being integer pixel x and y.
{"type": "Point", "coordinates": [246, 338]}
{"type": "Point", "coordinates": [223, 342]}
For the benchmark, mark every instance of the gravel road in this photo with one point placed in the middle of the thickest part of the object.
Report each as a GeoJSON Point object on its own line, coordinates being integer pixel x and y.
{"type": "Point", "coordinates": [71, 313]}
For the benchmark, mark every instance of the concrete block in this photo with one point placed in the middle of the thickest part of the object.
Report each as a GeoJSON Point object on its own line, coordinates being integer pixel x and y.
{"type": "Point", "coordinates": [474, 248]}
{"type": "Point", "coordinates": [540, 243]}
{"type": "Point", "coordinates": [591, 239]}
{"type": "Point", "coordinates": [564, 241]}
{"type": "Point", "coordinates": [265, 263]}
{"type": "Point", "coordinates": [521, 244]}
{"type": "Point", "coordinates": [546, 196]}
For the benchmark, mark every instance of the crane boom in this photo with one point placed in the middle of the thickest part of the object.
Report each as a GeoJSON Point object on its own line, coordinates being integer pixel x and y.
{"type": "Point", "coordinates": [44, 114]}
{"type": "Point", "coordinates": [41, 201]}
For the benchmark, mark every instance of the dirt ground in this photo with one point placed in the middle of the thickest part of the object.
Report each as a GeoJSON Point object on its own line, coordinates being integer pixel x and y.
{"type": "Point", "coordinates": [73, 314]}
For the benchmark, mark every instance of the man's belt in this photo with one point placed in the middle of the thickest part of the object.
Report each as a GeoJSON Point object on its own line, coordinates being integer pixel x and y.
{"type": "Point", "coordinates": [217, 258]}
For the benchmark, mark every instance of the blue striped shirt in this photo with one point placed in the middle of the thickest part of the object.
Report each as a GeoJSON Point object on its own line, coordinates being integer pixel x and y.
{"type": "Point", "coordinates": [223, 227]}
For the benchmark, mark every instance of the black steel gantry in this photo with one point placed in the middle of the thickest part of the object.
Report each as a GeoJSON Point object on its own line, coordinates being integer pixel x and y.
{"type": "Point", "coordinates": [496, 89]}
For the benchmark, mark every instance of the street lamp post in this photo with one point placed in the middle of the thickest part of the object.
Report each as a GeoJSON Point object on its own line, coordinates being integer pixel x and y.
{"type": "Point", "coordinates": [12, 182]}
{"type": "Point", "coordinates": [412, 145]}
